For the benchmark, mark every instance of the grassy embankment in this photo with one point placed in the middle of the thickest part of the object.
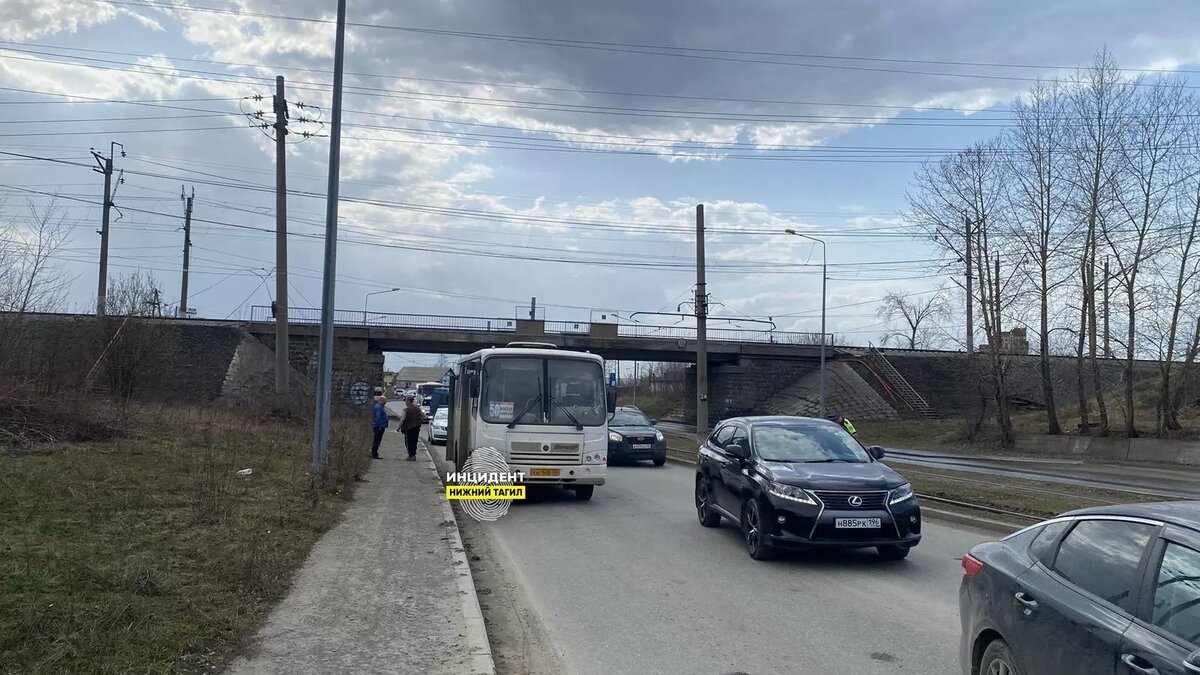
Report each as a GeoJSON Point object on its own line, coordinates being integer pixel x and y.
{"type": "Point", "coordinates": [148, 552]}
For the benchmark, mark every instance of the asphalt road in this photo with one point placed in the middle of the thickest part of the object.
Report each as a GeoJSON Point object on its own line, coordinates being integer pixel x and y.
{"type": "Point", "coordinates": [1146, 480]}
{"type": "Point", "coordinates": [631, 583]}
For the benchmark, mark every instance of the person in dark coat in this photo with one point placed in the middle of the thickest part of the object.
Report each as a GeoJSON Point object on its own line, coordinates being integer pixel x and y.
{"type": "Point", "coordinates": [379, 424]}
{"type": "Point", "coordinates": [410, 426]}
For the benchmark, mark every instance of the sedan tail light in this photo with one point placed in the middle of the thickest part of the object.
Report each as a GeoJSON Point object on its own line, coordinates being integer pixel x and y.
{"type": "Point", "coordinates": [971, 565]}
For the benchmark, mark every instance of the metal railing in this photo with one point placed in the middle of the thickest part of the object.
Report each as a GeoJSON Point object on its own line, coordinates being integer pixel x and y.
{"type": "Point", "coordinates": [371, 319]}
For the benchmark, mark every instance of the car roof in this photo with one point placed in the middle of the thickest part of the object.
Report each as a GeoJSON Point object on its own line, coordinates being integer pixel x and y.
{"type": "Point", "coordinates": [791, 420]}
{"type": "Point", "coordinates": [1183, 514]}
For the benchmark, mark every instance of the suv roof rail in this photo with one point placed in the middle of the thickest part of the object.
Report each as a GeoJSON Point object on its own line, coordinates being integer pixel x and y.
{"type": "Point", "coordinates": [532, 345]}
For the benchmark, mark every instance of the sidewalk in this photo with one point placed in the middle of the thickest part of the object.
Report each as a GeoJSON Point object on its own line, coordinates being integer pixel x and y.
{"type": "Point", "coordinates": [387, 590]}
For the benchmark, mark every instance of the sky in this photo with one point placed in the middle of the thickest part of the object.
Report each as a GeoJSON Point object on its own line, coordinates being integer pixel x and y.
{"type": "Point", "coordinates": [497, 151]}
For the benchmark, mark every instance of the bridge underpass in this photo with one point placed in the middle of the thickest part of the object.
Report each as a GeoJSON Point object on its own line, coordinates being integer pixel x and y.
{"type": "Point", "coordinates": [745, 366]}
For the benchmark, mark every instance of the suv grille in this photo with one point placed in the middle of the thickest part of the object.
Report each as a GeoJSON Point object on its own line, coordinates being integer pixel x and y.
{"type": "Point", "coordinates": [840, 501]}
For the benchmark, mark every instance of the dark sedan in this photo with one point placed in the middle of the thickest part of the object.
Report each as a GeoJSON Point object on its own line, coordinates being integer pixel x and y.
{"type": "Point", "coordinates": [1110, 590]}
{"type": "Point", "coordinates": [632, 436]}
{"type": "Point", "coordinates": [799, 482]}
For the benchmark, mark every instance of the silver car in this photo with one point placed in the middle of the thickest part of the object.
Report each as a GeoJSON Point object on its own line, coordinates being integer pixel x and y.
{"type": "Point", "coordinates": [437, 427]}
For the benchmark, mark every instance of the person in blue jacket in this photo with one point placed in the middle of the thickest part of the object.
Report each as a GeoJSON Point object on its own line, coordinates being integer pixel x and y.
{"type": "Point", "coordinates": [379, 423]}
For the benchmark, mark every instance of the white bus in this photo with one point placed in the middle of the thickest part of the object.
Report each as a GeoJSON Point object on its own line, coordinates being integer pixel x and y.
{"type": "Point", "coordinates": [545, 409]}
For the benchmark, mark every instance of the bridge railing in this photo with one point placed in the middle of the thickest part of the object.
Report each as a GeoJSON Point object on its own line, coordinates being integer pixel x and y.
{"type": "Point", "coordinates": [348, 317]}
{"type": "Point", "coordinates": [351, 317]}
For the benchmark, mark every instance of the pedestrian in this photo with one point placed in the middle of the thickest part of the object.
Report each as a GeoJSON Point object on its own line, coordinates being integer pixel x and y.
{"type": "Point", "coordinates": [410, 425]}
{"type": "Point", "coordinates": [379, 424]}
{"type": "Point", "coordinates": [847, 425]}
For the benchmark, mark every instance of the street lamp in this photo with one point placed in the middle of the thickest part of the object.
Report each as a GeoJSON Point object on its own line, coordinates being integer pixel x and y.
{"type": "Point", "coordinates": [368, 299]}
{"type": "Point", "coordinates": [824, 279]}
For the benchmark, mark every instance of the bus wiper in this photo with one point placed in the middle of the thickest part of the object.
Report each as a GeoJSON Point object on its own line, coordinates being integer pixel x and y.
{"type": "Point", "coordinates": [528, 406]}
{"type": "Point", "coordinates": [578, 426]}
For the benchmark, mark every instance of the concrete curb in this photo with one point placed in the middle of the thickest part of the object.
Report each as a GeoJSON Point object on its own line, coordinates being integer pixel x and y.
{"type": "Point", "coordinates": [969, 520]}
{"type": "Point", "coordinates": [477, 638]}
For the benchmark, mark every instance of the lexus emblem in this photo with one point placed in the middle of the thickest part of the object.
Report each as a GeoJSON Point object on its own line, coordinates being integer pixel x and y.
{"type": "Point", "coordinates": [855, 500]}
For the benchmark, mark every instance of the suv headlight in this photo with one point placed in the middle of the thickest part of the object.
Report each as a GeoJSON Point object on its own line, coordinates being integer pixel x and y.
{"type": "Point", "coordinates": [900, 494]}
{"type": "Point", "coordinates": [792, 493]}
{"type": "Point", "coordinates": [615, 437]}
{"type": "Point", "coordinates": [658, 435]}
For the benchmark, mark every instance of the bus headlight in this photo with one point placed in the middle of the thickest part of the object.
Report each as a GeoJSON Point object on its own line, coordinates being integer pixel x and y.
{"type": "Point", "coordinates": [595, 458]}
{"type": "Point", "coordinates": [615, 437]}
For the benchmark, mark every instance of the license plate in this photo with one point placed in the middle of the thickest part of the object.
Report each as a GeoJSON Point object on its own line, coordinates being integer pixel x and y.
{"type": "Point", "coordinates": [641, 446]}
{"type": "Point", "coordinates": [552, 473]}
{"type": "Point", "coordinates": [857, 523]}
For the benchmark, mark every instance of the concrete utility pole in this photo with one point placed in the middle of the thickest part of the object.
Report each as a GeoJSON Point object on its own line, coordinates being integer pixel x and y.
{"type": "Point", "coordinates": [970, 290]}
{"type": "Point", "coordinates": [187, 250]}
{"type": "Point", "coordinates": [1107, 344]}
{"type": "Point", "coordinates": [328, 282]}
{"type": "Point", "coordinates": [282, 385]}
{"type": "Point", "coordinates": [106, 168]}
{"type": "Point", "coordinates": [701, 332]}
{"type": "Point", "coordinates": [533, 309]}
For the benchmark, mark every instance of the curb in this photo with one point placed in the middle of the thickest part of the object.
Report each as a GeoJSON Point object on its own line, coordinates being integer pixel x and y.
{"type": "Point", "coordinates": [480, 650]}
{"type": "Point", "coordinates": [970, 520]}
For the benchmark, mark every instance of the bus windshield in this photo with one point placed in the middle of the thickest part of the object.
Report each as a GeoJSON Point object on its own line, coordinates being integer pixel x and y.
{"type": "Point", "coordinates": [542, 391]}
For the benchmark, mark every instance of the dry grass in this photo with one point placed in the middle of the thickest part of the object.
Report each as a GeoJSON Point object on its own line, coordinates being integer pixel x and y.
{"type": "Point", "coordinates": [150, 553]}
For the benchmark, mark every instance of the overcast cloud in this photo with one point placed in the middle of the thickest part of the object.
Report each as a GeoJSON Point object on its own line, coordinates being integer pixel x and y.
{"type": "Point", "coordinates": [530, 169]}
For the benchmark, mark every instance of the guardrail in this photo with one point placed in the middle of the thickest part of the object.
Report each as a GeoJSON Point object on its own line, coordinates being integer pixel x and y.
{"type": "Point", "coordinates": [370, 319]}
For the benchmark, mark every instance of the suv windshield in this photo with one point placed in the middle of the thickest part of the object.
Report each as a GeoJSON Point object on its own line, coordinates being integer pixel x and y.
{"type": "Point", "coordinates": [542, 391]}
{"type": "Point", "coordinates": [806, 443]}
{"type": "Point", "coordinates": [628, 418]}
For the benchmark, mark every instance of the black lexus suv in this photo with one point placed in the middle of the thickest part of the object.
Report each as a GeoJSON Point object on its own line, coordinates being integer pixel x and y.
{"type": "Point", "coordinates": [799, 482]}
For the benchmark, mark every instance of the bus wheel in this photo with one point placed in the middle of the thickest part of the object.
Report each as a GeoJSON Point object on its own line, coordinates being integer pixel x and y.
{"type": "Point", "coordinates": [584, 492]}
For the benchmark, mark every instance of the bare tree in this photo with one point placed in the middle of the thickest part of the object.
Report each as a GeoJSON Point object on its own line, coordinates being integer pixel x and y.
{"type": "Point", "coordinates": [1151, 145]}
{"type": "Point", "coordinates": [1101, 102]}
{"type": "Point", "coordinates": [1040, 195]}
{"type": "Point", "coordinates": [136, 345]}
{"type": "Point", "coordinates": [1180, 276]}
{"type": "Point", "coordinates": [971, 184]}
{"type": "Point", "coordinates": [915, 313]}
{"type": "Point", "coordinates": [29, 278]}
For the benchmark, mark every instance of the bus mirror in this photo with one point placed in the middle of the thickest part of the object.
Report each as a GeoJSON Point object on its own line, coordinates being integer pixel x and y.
{"type": "Point", "coordinates": [611, 394]}
{"type": "Point", "coordinates": [474, 380]}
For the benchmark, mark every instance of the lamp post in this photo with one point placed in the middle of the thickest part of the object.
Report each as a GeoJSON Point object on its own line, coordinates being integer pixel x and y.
{"type": "Point", "coordinates": [368, 299]}
{"type": "Point", "coordinates": [824, 279]}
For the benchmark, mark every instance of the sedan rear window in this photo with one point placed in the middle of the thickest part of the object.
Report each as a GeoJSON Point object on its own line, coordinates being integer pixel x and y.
{"type": "Point", "coordinates": [1102, 558]}
{"type": "Point", "coordinates": [1177, 594]}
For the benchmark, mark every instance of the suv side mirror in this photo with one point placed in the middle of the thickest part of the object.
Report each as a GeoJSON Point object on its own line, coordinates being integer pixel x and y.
{"type": "Point", "coordinates": [1192, 663]}
{"type": "Point", "coordinates": [738, 450]}
{"type": "Point", "coordinates": [653, 423]}
{"type": "Point", "coordinates": [876, 452]}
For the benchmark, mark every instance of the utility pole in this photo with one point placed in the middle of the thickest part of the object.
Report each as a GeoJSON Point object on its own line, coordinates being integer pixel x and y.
{"type": "Point", "coordinates": [105, 167]}
{"type": "Point", "coordinates": [187, 250]}
{"type": "Point", "coordinates": [1107, 286]}
{"type": "Point", "coordinates": [970, 290]}
{"type": "Point", "coordinates": [328, 282]}
{"type": "Point", "coordinates": [533, 309]}
{"type": "Point", "coordinates": [701, 332]}
{"type": "Point", "coordinates": [282, 385]}
{"type": "Point", "coordinates": [996, 303]}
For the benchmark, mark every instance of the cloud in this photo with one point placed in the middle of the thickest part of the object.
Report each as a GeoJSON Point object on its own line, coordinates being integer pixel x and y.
{"type": "Point", "coordinates": [23, 20]}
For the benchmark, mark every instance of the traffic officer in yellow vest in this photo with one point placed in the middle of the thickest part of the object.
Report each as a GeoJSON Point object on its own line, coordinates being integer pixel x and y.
{"type": "Point", "coordinates": [847, 425]}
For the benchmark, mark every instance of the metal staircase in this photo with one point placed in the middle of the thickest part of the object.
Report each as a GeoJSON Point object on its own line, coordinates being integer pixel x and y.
{"type": "Point", "coordinates": [898, 386]}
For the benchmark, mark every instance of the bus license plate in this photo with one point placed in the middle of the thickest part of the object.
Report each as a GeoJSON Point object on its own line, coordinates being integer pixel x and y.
{"type": "Point", "coordinates": [857, 523]}
{"type": "Point", "coordinates": [544, 473]}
